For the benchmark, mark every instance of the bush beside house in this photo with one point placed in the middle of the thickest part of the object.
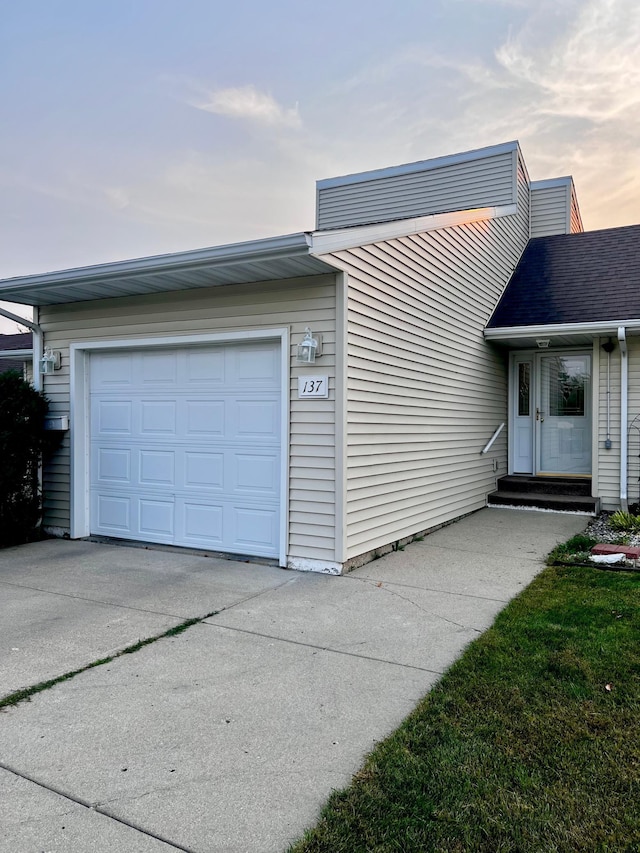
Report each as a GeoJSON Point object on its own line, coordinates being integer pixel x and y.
{"type": "Point", "coordinates": [23, 442]}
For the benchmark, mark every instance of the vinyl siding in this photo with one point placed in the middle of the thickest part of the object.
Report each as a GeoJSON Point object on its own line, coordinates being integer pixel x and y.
{"type": "Point", "coordinates": [633, 487]}
{"type": "Point", "coordinates": [575, 217]}
{"type": "Point", "coordinates": [482, 182]}
{"type": "Point", "coordinates": [608, 461]}
{"type": "Point", "coordinates": [549, 210]}
{"type": "Point", "coordinates": [425, 392]}
{"type": "Point", "coordinates": [295, 303]}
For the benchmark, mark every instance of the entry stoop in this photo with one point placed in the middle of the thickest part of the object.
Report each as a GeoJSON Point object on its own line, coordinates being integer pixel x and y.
{"type": "Point", "coordinates": [568, 494]}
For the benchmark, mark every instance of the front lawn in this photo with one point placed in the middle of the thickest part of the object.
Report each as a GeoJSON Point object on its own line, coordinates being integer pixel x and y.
{"type": "Point", "coordinates": [530, 742]}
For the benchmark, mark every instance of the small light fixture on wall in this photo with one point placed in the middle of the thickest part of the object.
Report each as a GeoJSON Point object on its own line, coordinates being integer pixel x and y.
{"type": "Point", "coordinates": [50, 361]}
{"type": "Point", "coordinates": [543, 343]}
{"type": "Point", "coordinates": [309, 348]}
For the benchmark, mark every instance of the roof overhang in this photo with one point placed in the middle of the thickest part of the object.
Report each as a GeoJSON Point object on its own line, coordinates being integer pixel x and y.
{"type": "Point", "coordinates": [17, 354]}
{"type": "Point", "coordinates": [258, 260]}
{"type": "Point", "coordinates": [560, 334]}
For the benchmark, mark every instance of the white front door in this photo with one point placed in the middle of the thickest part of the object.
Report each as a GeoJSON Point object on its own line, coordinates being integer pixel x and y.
{"type": "Point", "coordinates": [563, 416]}
{"type": "Point", "coordinates": [551, 413]}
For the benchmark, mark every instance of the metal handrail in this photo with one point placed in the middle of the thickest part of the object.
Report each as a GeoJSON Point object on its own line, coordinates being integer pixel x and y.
{"type": "Point", "coordinates": [492, 439]}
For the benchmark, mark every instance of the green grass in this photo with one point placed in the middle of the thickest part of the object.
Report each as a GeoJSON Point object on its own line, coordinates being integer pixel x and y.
{"type": "Point", "coordinates": [530, 742]}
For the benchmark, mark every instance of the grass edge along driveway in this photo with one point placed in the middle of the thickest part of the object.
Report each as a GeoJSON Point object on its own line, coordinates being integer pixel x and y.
{"type": "Point", "coordinates": [530, 742]}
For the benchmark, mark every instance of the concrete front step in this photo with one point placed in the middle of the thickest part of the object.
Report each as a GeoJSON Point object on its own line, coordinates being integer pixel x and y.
{"type": "Point", "coordinates": [566, 503]}
{"type": "Point", "coordinates": [525, 483]}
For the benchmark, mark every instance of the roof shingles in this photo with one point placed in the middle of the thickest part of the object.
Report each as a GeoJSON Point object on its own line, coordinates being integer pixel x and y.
{"type": "Point", "coordinates": [589, 277]}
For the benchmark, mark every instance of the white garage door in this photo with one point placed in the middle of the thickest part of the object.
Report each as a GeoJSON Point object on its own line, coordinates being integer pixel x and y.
{"type": "Point", "coordinates": [185, 446]}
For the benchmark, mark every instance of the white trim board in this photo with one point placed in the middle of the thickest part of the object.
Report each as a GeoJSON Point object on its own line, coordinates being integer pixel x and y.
{"type": "Point", "coordinates": [79, 411]}
{"type": "Point", "coordinates": [360, 235]}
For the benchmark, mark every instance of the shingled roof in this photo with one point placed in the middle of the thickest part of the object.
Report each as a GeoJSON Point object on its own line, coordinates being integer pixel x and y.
{"type": "Point", "coordinates": [589, 277]}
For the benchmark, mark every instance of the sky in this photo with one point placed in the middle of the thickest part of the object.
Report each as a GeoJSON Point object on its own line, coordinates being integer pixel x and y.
{"type": "Point", "coordinates": [138, 127]}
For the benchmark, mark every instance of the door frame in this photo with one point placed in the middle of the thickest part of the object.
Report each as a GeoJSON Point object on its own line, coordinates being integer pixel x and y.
{"type": "Point", "coordinates": [80, 438]}
{"type": "Point", "coordinates": [534, 355]}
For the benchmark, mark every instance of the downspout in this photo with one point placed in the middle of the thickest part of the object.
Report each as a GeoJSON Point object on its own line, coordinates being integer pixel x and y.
{"type": "Point", "coordinates": [37, 344]}
{"type": "Point", "coordinates": [624, 417]}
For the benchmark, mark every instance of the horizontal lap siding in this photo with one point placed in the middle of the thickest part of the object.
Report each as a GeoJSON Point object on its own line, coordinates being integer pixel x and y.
{"type": "Point", "coordinates": [633, 490]}
{"type": "Point", "coordinates": [483, 182]}
{"type": "Point", "coordinates": [549, 211]}
{"type": "Point", "coordinates": [425, 391]}
{"type": "Point", "coordinates": [608, 461]}
{"type": "Point", "coordinates": [294, 304]}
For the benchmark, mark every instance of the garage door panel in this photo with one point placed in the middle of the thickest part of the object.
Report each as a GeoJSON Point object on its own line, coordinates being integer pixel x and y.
{"type": "Point", "coordinates": [204, 418]}
{"type": "Point", "coordinates": [156, 519]}
{"type": "Point", "coordinates": [258, 419]}
{"type": "Point", "coordinates": [158, 368]}
{"type": "Point", "coordinates": [202, 523]}
{"type": "Point", "coordinates": [203, 470]}
{"type": "Point", "coordinates": [158, 417]}
{"type": "Point", "coordinates": [112, 514]}
{"type": "Point", "coordinates": [204, 366]}
{"type": "Point", "coordinates": [112, 417]}
{"type": "Point", "coordinates": [256, 473]}
{"type": "Point", "coordinates": [259, 363]}
{"type": "Point", "coordinates": [111, 370]}
{"type": "Point", "coordinates": [157, 467]}
{"type": "Point", "coordinates": [255, 529]}
{"type": "Point", "coordinates": [112, 465]}
{"type": "Point", "coordinates": [185, 447]}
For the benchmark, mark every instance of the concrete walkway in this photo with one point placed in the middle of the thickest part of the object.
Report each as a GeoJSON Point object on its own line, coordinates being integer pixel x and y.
{"type": "Point", "coordinates": [231, 735]}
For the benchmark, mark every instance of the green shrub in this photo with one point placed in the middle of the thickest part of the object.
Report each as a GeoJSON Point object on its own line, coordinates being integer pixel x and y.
{"type": "Point", "coordinates": [23, 441]}
{"type": "Point", "coordinates": [621, 520]}
{"type": "Point", "coordinates": [575, 549]}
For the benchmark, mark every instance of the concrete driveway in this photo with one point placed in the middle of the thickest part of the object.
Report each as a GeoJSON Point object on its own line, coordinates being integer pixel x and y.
{"type": "Point", "coordinates": [230, 735]}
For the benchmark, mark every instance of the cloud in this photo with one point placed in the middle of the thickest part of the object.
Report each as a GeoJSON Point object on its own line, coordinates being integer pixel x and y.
{"type": "Point", "coordinates": [591, 70]}
{"type": "Point", "coordinates": [246, 102]}
{"type": "Point", "coordinates": [565, 81]}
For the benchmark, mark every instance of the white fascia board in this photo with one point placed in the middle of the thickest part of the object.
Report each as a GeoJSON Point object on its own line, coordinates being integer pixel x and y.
{"type": "Point", "coordinates": [609, 327]}
{"type": "Point", "coordinates": [361, 235]}
{"type": "Point", "coordinates": [17, 354]}
{"type": "Point", "coordinates": [252, 251]}
{"type": "Point", "coordinates": [549, 183]}
{"type": "Point", "coordinates": [419, 166]}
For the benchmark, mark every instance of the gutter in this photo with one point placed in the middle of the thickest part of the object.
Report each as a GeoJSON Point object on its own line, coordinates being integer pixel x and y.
{"type": "Point", "coordinates": [609, 327]}
{"type": "Point", "coordinates": [624, 417]}
{"type": "Point", "coordinates": [38, 344]}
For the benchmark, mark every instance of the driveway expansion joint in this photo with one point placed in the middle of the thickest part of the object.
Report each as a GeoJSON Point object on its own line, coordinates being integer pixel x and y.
{"type": "Point", "coordinates": [93, 807]}
{"type": "Point", "coordinates": [323, 648]}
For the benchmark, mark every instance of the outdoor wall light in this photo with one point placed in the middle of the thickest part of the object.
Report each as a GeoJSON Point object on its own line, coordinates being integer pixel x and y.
{"type": "Point", "coordinates": [309, 348]}
{"type": "Point", "coordinates": [543, 343]}
{"type": "Point", "coordinates": [50, 361]}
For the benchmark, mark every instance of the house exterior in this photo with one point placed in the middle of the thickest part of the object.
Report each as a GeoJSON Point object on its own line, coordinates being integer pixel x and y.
{"type": "Point", "coordinates": [16, 353]}
{"type": "Point", "coordinates": [194, 423]}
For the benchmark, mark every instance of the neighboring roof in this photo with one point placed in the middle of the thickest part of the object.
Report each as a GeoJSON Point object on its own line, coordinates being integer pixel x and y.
{"type": "Point", "coordinates": [258, 260]}
{"type": "Point", "coordinates": [591, 277]}
{"type": "Point", "coordinates": [14, 351]}
{"type": "Point", "coordinates": [15, 342]}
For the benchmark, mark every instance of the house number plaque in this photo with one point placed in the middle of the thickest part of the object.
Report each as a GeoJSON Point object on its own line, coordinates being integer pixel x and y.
{"type": "Point", "coordinates": [313, 386]}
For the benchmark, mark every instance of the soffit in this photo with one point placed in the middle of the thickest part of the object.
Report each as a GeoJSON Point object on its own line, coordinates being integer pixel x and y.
{"type": "Point", "coordinates": [260, 260]}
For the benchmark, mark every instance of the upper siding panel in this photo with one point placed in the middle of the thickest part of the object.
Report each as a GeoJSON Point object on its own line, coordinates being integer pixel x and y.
{"type": "Point", "coordinates": [425, 392]}
{"type": "Point", "coordinates": [295, 303]}
{"type": "Point", "coordinates": [484, 181]}
{"type": "Point", "coordinates": [554, 208]}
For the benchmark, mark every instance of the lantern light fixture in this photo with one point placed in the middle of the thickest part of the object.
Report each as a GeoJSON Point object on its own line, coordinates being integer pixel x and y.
{"type": "Point", "coordinates": [309, 348]}
{"type": "Point", "coordinates": [50, 361]}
